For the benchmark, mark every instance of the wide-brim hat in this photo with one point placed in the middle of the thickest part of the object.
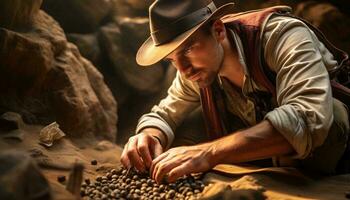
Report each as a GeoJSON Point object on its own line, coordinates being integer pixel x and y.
{"type": "Point", "coordinates": [174, 21]}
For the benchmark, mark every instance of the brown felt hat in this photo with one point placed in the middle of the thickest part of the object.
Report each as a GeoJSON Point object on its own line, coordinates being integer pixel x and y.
{"type": "Point", "coordinates": [172, 22]}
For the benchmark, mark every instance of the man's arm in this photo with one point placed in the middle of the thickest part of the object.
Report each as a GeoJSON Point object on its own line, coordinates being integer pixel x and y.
{"type": "Point", "coordinates": [258, 142]}
{"type": "Point", "coordinates": [155, 130]}
{"type": "Point", "coordinates": [183, 97]}
{"type": "Point", "coordinates": [305, 112]}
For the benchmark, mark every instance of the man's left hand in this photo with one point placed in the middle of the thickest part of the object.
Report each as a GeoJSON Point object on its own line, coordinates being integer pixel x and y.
{"type": "Point", "coordinates": [180, 161]}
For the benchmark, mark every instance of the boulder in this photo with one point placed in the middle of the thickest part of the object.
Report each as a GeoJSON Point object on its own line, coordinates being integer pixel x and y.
{"type": "Point", "coordinates": [120, 42]}
{"type": "Point", "coordinates": [44, 79]}
{"type": "Point", "coordinates": [17, 13]}
{"type": "Point", "coordinates": [132, 8]}
{"type": "Point", "coordinates": [21, 178]}
{"type": "Point", "coordinates": [88, 46]}
{"type": "Point", "coordinates": [79, 16]}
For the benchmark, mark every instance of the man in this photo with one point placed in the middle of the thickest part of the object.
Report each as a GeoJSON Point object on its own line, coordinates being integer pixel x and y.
{"type": "Point", "coordinates": [218, 57]}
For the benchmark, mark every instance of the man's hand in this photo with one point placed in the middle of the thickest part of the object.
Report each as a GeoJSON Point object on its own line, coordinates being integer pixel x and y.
{"type": "Point", "coordinates": [181, 161]}
{"type": "Point", "coordinates": [141, 149]}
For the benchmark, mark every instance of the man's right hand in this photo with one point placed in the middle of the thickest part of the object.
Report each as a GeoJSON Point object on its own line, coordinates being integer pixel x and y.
{"type": "Point", "coordinates": [142, 148]}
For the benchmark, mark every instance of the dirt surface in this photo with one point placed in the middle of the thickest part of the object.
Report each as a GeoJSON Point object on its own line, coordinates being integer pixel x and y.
{"type": "Point", "coordinates": [274, 183]}
{"type": "Point", "coordinates": [56, 160]}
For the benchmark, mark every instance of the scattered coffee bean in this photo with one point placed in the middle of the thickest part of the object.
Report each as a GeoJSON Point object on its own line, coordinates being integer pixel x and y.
{"type": "Point", "coordinates": [61, 178]}
{"type": "Point", "coordinates": [94, 162]}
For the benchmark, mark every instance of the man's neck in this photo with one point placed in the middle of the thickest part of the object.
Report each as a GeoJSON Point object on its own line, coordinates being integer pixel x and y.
{"type": "Point", "coordinates": [231, 67]}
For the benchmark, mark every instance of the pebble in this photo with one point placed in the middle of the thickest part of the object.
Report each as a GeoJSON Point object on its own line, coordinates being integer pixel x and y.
{"type": "Point", "coordinates": [61, 178]}
{"type": "Point", "coordinates": [94, 162]}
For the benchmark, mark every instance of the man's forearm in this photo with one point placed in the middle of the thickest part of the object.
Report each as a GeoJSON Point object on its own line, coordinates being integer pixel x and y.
{"type": "Point", "coordinates": [258, 142]}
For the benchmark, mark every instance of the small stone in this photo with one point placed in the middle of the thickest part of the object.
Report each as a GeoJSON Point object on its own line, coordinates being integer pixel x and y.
{"type": "Point", "coordinates": [61, 178]}
{"type": "Point", "coordinates": [94, 162]}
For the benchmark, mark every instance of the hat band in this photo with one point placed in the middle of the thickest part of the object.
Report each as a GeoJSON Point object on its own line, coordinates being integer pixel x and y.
{"type": "Point", "coordinates": [166, 34]}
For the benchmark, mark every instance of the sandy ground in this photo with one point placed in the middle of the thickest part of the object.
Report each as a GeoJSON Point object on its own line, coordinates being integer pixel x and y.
{"type": "Point", "coordinates": [274, 183]}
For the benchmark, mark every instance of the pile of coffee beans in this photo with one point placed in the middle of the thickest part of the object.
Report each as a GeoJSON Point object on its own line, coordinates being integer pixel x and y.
{"type": "Point", "coordinates": [128, 184]}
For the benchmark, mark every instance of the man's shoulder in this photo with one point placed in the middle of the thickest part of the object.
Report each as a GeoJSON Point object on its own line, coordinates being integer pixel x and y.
{"type": "Point", "coordinates": [283, 21]}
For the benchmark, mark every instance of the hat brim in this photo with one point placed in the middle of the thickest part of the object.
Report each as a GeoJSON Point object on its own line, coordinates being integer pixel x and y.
{"type": "Point", "coordinates": [149, 53]}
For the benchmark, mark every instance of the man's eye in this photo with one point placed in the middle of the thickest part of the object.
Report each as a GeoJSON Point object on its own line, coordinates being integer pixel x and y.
{"type": "Point", "coordinates": [189, 50]}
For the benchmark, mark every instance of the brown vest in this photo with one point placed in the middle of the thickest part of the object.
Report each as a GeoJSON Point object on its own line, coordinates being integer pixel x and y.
{"type": "Point", "coordinates": [248, 26]}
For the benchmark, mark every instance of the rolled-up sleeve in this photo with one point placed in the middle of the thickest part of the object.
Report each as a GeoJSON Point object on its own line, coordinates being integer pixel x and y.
{"type": "Point", "coordinates": [304, 113]}
{"type": "Point", "coordinates": [183, 97]}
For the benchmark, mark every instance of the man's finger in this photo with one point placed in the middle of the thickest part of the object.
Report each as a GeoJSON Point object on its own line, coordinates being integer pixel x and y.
{"type": "Point", "coordinates": [161, 168]}
{"type": "Point", "coordinates": [155, 161]}
{"type": "Point", "coordinates": [134, 156]}
{"type": "Point", "coordinates": [165, 166]}
{"type": "Point", "coordinates": [144, 151]}
{"type": "Point", "coordinates": [124, 158]}
{"type": "Point", "coordinates": [180, 171]}
{"type": "Point", "coordinates": [156, 149]}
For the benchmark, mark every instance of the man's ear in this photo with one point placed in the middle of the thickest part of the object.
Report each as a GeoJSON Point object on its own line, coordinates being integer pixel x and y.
{"type": "Point", "coordinates": [219, 30]}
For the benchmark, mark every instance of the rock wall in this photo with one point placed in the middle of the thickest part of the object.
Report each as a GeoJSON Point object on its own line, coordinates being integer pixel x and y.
{"type": "Point", "coordinates": [44, 78]}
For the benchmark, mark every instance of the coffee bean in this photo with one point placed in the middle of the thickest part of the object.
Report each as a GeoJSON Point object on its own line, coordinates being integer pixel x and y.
{"type": "Point", "coordinates": [104, 197]}
{"type": "Point", "coordinates": [114, 176]}
{"type": "Point", "coordinates": [94, 162]}
{"type": "Point", "coordinates": [87, 181]}
{"type": "Point", "coordinates": [61, 178]}
{"type": "Point", "coordinates": [109, 176]}
{"type": "Point", "coordinates": [128, 180]}
{"type": "Point", "coordinates": [99, 178]}
{"type": "Point", "coordinates": [121, 184]}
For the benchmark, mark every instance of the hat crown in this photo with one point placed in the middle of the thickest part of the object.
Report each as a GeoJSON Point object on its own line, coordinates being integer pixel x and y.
{"type": "Point", "coordinates": [168, 17]}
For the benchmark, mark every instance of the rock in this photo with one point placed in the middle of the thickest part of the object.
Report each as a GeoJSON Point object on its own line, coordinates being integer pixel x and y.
{"type": "Point", "coordinates": [87, 45]}
{"type": "Point", "coordinates": [44, 78]}
{"type": "Point", "coordinates": [16, 14]}
{"type": "Point", "coordinates": [20, 178]}
{"type": "Point", "coordinates": [10, 121]}
{"type": "Point", "coordinates": [79, 16]}
{"type": "Point", "coordinates": [132, 8]}
{"type": "Point", "coordinates": [139, 5]}
{"type": "Point", "coordinates": [121, 44]}
{"type": "Point", "coordinates": [11, 126]}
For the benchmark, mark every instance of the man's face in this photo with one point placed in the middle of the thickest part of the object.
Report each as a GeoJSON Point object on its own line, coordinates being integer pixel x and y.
{"type": "Point", "coordinates": [199, 58]}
